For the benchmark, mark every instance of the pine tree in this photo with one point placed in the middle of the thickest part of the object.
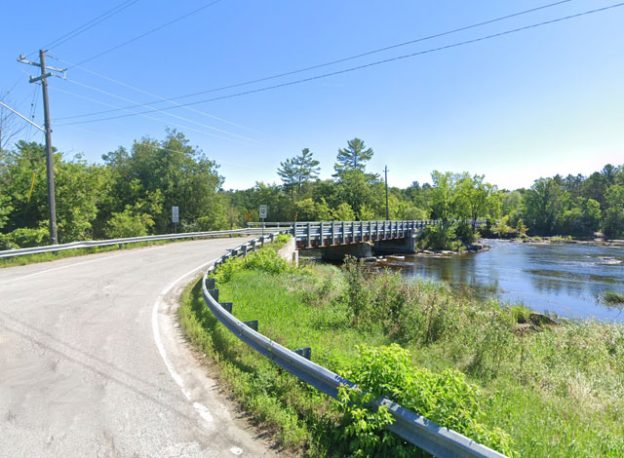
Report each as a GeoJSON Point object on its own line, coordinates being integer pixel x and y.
{"type": "Point", "coordinates": [354, 157]}
{"type": "Point", "coordinates": [297, 171]}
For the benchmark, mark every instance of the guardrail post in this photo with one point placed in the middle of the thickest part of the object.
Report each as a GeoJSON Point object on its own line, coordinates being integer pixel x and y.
{"type": "Point", "coordinates": [253, 245]}
{"type": "Point", "coordinates": [344, 233]}
{"type": "Point", "coordinates": [306, 352]}
{"type": "Point", "coordinates": [244, 250]}
{"type": "Point", "coordinates": [333, 233]}
{"type": "Point", "coordinates": [352, 231]}
{"type": "Point", "coordinates": [322, 243]}
{"type": "Point", "coordinates": [253, 324]}
{"type": "Point", "coordinates": [210, 283]}
{"type": "Point", "coordinates": [214, 293]}
{"type": "Point", "coordinates": [227, 306]}
{"type": "Point", "coordinates": [309, 235]}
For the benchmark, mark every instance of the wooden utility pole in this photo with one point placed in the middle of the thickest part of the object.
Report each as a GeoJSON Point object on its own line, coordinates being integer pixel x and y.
{"type": "Point", "coordinates": [43, 77]}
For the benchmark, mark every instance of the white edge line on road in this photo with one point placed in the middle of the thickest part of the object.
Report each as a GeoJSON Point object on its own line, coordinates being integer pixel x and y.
{"type": "Point", "coordinates": [201, 409]}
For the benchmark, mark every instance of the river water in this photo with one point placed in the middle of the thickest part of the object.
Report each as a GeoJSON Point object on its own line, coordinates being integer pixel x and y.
{"type": "Point", "coordinates": [566, 279]}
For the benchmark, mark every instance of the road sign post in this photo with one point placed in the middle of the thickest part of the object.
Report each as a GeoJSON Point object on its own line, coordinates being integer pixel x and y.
{"type": "Point", "coordinates": [175, 217]}
{"type": "Point", "coordinates": [263, 212]}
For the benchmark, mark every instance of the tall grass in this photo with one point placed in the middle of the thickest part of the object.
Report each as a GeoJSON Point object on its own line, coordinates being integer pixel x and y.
{"type": "Point", "coordinates": [557, 390]}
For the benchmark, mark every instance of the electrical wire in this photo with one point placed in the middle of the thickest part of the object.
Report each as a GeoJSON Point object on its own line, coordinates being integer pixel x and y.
{"type": "Point", "coordinates": [166, 113]}
{"type": "Point", "coordinates": [151, 94]}
{"type": "Point", "coordinates": [151, 118]}
{"type": "Point", "coordinates": [149, 32]}
{"type": "Point", "coordinates": [375, 63]}
{"type": "Point", "coordinates": [89, 24]}
{"type": "Point", "coordinates": [341, 60]}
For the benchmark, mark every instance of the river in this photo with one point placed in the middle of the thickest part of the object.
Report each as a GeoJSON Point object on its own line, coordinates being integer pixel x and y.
{"type": "Point", "coordinates": [565, 279]}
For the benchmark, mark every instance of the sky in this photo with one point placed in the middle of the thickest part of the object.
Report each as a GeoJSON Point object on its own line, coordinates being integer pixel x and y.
{"type": "Point", "coordinates": [515, 107]}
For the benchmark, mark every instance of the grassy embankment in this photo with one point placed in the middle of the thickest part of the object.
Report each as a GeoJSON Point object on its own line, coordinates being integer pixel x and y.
{"type": "Point", "coordinates": [556, 390]}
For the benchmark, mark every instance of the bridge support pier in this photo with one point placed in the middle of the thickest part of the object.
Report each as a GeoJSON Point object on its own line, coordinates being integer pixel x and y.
{"type": "Point", "coordinates": [338, 253]}
{"type": "Point", "coordinates": [406, 245]}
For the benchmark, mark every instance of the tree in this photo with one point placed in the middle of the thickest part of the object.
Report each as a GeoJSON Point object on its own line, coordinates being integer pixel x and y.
{"type": "Point", "coordinates": [613, 225]}
{"type": "Point", "coordinates": [442, 195]}
{"type": "Point", "coordinates": [545, 203]}
{"type": "Point", "coordinates": [79, 191]}
{"type": "Point", "coordinates": [183, 175]}
{"type": "Point", "coordinates": [297, 171]}
{"type": "Point", "coordinates": [353, 158]}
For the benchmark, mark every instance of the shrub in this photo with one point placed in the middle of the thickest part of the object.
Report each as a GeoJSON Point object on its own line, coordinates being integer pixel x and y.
{"type": "Point", "coordinates": [439, 237]}
{"type": "Point", "coordinates": [356, 295]}
{"type": "Point", "coordinates": [445, 398]}
{"type": "Point", "coordinates": [128, 224]}
{"type": "Point", "coordinates": [266, 259]}
{"type": "Point", "coordinates": [25, 237]}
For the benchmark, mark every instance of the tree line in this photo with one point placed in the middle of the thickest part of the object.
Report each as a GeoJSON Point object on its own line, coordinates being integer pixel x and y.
{"type": "Point", "coordinates": [131, 192]}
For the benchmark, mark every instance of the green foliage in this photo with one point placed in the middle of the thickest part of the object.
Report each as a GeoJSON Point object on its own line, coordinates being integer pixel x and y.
{"type": "Point", "coordinates": [439, 237]}
{"type": "Point", "coordinates": [353, 158]}
{"type": "Point", "coordinates": [5, 209]}
{"type": "Point", "coordinates": [613, 298]}
{"type": "Point", "coordinates": [128, 224]}
{"type": "Point", "coordinates": [265, 259]}
{"type": "Point", "coordinates": [309, 210]}
{"type": "Point", "coordinates": [299, 170]}
{"type": "Point", "coordinates": [343, 212]}
{"type": "Point", "coordinates": [445, 398]}
{"type": "Point", "coordinates": [25, 237]}
{"type": "Point", "coordinates": [556, 390]}
{"type": "Point", "coordinates": [614, 215]}
{"type": "Point", "coordinates": [545, 203]}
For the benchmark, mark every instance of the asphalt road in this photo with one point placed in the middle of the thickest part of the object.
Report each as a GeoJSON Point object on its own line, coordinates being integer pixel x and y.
{"type": "Point", "coordinates": [92, 362]}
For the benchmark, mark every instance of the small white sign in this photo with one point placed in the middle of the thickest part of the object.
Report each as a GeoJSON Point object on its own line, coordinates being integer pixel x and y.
{"type": "Point", "coordinates": [264, 211]}
{"type": "Point", "coordinates": [175, 214]}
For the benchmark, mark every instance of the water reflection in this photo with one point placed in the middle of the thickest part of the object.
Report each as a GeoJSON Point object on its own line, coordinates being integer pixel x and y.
{"type": "Point", "coordinates": [567, 279]}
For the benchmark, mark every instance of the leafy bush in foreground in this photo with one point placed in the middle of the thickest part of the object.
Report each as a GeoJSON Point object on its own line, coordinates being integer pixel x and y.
{"type": "Point", "coordinates": [445, 398]}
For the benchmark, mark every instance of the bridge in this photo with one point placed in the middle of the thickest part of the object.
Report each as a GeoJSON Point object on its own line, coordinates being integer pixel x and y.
{"type": "Point", "coordinates": [336, 239]}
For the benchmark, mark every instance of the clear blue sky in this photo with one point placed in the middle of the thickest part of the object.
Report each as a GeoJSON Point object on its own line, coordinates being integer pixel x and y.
{"type": "Point", "coordinates": [517, 107]}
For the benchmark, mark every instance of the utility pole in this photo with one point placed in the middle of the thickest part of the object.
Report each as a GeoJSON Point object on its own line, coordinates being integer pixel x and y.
{"type": "Point", "coordinates": [387, 209]}
{"type": "Point", "coordinates": [43, 77]}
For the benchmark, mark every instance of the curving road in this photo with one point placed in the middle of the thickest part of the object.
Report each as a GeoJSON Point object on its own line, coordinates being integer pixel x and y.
{"type": "Point", "coordinates": [93, 364]}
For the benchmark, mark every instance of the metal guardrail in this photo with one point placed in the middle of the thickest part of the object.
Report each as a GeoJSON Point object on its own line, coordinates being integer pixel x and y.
{"type": "Point", "coordinates": [122, 241]}
{"type": "Point", "coordinates": [415, 429]}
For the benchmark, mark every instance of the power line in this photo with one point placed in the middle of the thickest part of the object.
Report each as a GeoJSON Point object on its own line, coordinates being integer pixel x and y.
{"type": "Point", "coordinates": [149, 32]}
{"type": "Point", "coordinates": [152, 94]}
{"type": "Point", "coordinates": [372, 64]}
{"type": "Point", "coordinates": [337, 61]}
{"type": "Point", "coordinates": [90, 24]}
{"type": "Point", "coordinates": [231, 137]}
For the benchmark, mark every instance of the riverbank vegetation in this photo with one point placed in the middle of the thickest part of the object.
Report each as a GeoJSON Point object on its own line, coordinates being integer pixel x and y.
{"type": "Point", "coordinates": [131, 192]}
{"type": "Point", "coordinates": [613, 298]}
{"type": "Point", "coordinates": [501, 375]}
